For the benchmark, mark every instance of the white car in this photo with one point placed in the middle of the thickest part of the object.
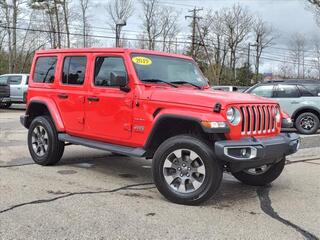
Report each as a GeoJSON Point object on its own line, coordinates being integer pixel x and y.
{"type": "Point", "coordinates": [18, 87]}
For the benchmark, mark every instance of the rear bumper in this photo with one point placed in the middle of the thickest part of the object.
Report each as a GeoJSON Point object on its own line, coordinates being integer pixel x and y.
{"type": "Point", "coordinates": [251, 152]}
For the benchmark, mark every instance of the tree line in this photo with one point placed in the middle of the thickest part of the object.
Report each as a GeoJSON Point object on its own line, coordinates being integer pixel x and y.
{"type": "Point", "coordinates": [229, 44]}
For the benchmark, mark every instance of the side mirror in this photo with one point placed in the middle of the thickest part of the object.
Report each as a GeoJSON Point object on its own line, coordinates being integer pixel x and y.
{"type": "Point", "coordinates": [119, 79]}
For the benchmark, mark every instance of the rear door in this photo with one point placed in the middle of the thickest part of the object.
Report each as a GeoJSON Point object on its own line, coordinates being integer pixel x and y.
{"type": "Point", "coordinates": [70, 95]}
{"type": "Point", "coordinates": [16, 93]}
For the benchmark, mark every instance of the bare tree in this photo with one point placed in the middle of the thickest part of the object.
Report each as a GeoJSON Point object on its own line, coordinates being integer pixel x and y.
{"type": "Point", "coordinates": [151, 24]}
{"type": "Point", "coordinates": [263, 35]}
{"type": "Point", "coordinates": [119, 10]}
{"type": "Point", "coordinates": [297, 52]}
{"type": "Point", "coordinates": [169, 20]}
{"type": "Point", "coordinates": [316, 55]}
{"type": "Point", "coordinates": [238, 23]}
{"type": "Point", "coordinates": [219, 42]}
{"type": "Point", "coordinates": [84, 4]}
{"type": "Point", "coordinates": [66, 15]}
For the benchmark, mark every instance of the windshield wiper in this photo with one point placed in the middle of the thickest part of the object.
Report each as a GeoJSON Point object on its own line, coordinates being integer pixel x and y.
{"type": "Point", "coordinates": [153, 80]}
{"type": "Point", "coordinates": [185, 82]}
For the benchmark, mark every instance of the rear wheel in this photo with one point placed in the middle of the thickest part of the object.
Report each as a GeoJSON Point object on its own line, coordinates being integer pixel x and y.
{"type": "Point", "coordinates": [44, 145]}
{"type": "Point", "coordinates": [307, 123]}
{"type": "Point", "coordinates": [262, 175]}
{"type": "Point", "coordinates": [185, 170]}
{"type": "Point", "coordinates": [5, 105]}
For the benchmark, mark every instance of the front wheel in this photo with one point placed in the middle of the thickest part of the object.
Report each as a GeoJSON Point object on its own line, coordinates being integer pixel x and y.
{"type": "Point", "coordinates": [185, 170]}
{"type": "Point", "coordinates": [262, 175]}
{"type": "Point", "coordinates": [44, 145]}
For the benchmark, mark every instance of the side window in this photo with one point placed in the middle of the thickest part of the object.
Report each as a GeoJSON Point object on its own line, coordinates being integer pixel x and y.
{"type": "Point", "coordinates": [45, 69]}
{"type": "Point", "coordinates": [3, 80]}
{"type": "Point", "coordinates": [287, 91]}
{"type": "Point", "coordinates": [14, 80]}
{"type": "Point", "coordinates": [314, 89]}
{"type": "Point", "coordinates": [306, 92]}
{"type": "Point", "coordinates": [74, 69]}
{"type": "Point", "coordinates": [263, 91]}
{"type": "Point", "coordinates": [104, 66]}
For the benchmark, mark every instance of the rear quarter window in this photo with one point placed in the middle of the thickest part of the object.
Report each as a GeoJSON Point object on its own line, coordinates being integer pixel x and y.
{"type": "Point", "coordinates": [45, 70]}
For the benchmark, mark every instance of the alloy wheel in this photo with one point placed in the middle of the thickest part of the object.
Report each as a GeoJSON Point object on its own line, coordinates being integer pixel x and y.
{"type": "Point", "coordinates": [40, 141]}
{"type": "Point", "coordinates": [184, 171]}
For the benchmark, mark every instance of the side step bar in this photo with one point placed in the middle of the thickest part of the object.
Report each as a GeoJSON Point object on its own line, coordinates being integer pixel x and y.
{"type": "Point", "coordinates": [129, 151]}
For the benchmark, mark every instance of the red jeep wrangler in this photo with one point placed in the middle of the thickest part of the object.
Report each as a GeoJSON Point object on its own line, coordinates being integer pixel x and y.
{"type": "Point", "coordinates": [157, 106]}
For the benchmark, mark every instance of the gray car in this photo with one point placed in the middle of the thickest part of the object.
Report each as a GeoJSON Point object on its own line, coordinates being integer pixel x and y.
{"type": "Point", "coordinates": [298, 98]}
{"type": "Point", "coordinates": [18, 87]}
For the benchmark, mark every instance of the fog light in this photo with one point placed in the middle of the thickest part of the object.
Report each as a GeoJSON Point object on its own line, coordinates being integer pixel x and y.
{"type": "Point", "coordinates": [243, 152]}
{"type": "Point", "coordinates": [240, 153]}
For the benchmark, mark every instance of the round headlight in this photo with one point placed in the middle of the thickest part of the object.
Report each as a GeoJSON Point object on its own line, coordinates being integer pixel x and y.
{"type": "Point", "coordinates": [233, 116]}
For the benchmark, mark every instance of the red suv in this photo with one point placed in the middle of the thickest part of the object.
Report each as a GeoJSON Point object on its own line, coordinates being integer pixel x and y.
{"type": "Point", "coordinates": [158, 106]}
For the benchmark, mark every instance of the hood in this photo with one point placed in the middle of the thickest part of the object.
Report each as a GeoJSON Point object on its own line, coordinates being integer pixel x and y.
{"type": "Point", "coordinates": [205, 98]}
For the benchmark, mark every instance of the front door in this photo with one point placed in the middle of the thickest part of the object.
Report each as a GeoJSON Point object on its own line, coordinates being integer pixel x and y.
{"type": "Point", "coordinates": [108, 109]}
{"type": "Point", "coordinates": [70, 96]}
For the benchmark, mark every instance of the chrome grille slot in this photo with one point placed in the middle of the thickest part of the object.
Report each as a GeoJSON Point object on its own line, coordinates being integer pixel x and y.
{"type": "Point", "coordinates": [257, 119]}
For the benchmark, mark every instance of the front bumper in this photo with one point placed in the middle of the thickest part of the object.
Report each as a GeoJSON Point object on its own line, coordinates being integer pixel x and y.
{"type": "Point", "coordinates": [252, 152]}
{"type": "Point", "coordinates": [287, 123]}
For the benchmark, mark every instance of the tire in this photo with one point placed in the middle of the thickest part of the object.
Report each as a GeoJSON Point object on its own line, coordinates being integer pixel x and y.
{"type": "Point", "coordinates": [6, 105]}
{"type": "Point", "coordinates": [260, 179]}
{"type": "Point", "coordinates": [201, 175]}
{"type": "Point", "coordinates": [43, 143]}
{"type": "Point", "coordinates": [307, 123]}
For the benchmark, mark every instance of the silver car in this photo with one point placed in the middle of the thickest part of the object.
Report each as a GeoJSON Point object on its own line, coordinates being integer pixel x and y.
{"type": "Point", "coordinates": [18, 87]}
{"type": "Point", "coordinates": [298, 98]}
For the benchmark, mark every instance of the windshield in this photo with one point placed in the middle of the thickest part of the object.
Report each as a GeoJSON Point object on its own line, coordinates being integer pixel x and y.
{"type": "Point", "coordinates": [159, 69]}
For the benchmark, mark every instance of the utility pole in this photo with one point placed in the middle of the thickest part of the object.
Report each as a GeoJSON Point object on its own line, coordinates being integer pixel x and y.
{"type": "Point", "coordinates": [194, 24]}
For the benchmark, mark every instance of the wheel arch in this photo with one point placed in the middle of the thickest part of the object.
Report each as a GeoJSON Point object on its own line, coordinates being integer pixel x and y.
{"type": "Point", "coordinates": [169, 125]}
{"type": "Point", "coordinates": [44, 107]}
{"type": "Point", "coordinates": [301, 110]}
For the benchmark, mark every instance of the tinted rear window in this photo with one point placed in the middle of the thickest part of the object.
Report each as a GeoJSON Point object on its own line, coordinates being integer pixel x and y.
{"type": "Point", "coordinates": [287, 91]}
{"type": "Point", "coordinates": [45, 69]}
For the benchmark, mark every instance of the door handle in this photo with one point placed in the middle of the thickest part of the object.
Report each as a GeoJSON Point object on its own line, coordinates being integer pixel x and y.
{"type": "Point", "coordinates": [294, 102]}
{"type": "Point", "coordinates": [63, 96]}
{"type": "Point", "coordinates": [93, 99]}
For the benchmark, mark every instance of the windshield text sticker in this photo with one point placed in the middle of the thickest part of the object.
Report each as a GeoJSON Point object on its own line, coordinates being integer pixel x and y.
{"type": "Point", "coordinates": [142, 60]}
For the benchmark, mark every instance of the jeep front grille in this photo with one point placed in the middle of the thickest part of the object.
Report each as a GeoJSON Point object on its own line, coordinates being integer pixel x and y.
{"type": "Point", "coordinates": [258, 119]}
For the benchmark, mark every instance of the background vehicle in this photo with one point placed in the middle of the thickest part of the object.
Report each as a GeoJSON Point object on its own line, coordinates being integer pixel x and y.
{"type": "Point", "coordinates": [18, 87]}
{"type": "Point", "coordinates": [230, 88]}
{"type": "Point", "coordinates": [158, 106]}
{"type": "Point", "coordinates": [298, 98]}
{"type": "Point", "coordinates": [4, 92]}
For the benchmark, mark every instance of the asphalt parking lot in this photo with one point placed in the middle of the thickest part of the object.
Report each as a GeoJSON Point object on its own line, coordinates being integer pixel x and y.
{"type": "Point", "coordinates": [92, 194]}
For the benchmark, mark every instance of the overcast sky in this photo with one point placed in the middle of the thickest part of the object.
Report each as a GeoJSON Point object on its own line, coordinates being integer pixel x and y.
{"type": "Point", "coordinates": [286, 17]}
